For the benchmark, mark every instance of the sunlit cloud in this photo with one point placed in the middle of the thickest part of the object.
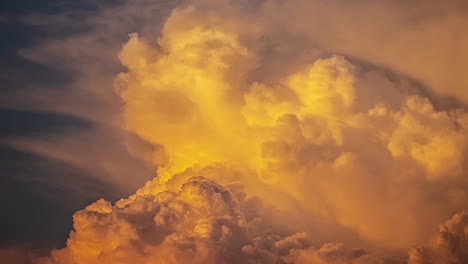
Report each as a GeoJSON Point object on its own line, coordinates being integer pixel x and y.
{"type": "Point", "coordinates": [280, 132]}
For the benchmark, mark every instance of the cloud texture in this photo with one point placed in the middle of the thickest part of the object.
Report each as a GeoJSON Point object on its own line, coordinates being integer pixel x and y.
{"type": "Point", "coordinates": [201, 223]}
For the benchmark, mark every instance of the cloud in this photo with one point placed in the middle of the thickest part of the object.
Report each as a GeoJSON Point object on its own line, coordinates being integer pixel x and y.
{"type": "Point", "coordinates": [401, 35]}
{"type": "Point", "coordinates": [200, 223]}
{"type": "Point", "coordinates": [308, 127]}
{"type": "Point", "coordinates": [307, 134]}
{"type": "Point", "coordinates": [450, 245]}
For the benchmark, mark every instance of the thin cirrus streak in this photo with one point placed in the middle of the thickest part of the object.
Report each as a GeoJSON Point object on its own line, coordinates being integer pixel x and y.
{"type": "Point", "coordinates": [281, 159]}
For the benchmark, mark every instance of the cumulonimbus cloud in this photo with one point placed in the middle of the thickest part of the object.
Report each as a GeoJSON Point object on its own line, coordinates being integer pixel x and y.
{"type": "Point", "coordinates": [241, 112]}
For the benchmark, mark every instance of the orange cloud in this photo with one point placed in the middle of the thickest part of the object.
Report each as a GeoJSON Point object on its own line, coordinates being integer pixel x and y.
{"type": "Point", "coordinates": [317, 140]}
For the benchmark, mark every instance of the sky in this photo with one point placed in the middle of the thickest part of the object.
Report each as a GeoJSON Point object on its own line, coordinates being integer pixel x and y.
{"type": "Point", "coordinates": [203, 131]}
{"type": "Point", "coordinates": [41, 192]}
{"type": "Point", "coordinates": [24, 190]}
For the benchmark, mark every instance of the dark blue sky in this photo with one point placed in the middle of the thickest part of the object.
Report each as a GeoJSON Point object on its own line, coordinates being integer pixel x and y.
{"type": "Point", "coordinates": [37, 212]}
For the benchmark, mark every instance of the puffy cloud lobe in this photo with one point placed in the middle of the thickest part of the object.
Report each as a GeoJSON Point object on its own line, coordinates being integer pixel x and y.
{"type": "Point", "coordinates": [189, 226]}
{"type": "Point", "coordinates": [184, 86]}
{"type": "Point", "coordinates": [450, 245]}
{"type": "Point", "coordinates": [331, 253]}
{"type": "Point", "coordinates": [434, 139]}
{"type": "Point", "coordinates": [201, 223]}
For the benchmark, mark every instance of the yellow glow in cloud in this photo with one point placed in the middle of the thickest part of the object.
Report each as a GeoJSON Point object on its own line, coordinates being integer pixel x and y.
{"type": "Point", "coordinates": [192, 94]}
{"type": "Point", "coordinates": [303, 144]}
{"type": "Point", "coordinates": [182, 91]}
{"type": "Point", "coordinates": [434, 139]}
